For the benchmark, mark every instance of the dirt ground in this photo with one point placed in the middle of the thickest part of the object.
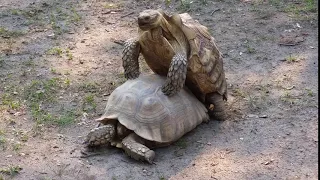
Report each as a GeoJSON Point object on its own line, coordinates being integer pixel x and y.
{"type": "Point", "coordinates": [59, 61]}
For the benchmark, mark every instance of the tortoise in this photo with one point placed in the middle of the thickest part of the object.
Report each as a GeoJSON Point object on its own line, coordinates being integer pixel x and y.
{"type": "Point", "coordinates": [139, 117]}
{"type": "Point", "coordinates": [182, 49]}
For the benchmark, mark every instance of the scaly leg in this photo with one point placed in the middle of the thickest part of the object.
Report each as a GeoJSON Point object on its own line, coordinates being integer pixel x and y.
{"type": "Point", "coordinates": [100, 135]}
{"type": "Point", "coordinates": [216, 106]}
{"type": "Point", "coordinates": [176, 75]}
{"type": "Point", "coordinates": [130, 57]}
{"type": "Point", "coordinates": [134, 147]}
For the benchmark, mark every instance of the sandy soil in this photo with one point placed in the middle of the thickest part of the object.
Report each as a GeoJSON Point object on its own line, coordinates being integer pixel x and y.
{"type": "Point", "coordinates": [59, 61]}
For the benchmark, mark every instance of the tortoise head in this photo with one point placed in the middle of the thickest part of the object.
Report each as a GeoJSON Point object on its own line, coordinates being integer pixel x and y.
{"type": "Point", "coordinates": [149, 19]}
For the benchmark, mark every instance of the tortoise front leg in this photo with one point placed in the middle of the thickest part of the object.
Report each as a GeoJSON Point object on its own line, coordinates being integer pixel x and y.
{"type": "Point", "coordinates": [134, 146]}
{"type": "Point", "coordinates": [130, 57]}
{"type": "Point", "coordinates": [100, 135]}
{"type": "Point", "coordinates": [176, 75]}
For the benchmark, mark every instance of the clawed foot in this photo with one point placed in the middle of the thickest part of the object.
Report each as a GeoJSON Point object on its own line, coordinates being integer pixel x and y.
{"type": "Point", "coordinates": [168, 89]}
{"type": "Point", "coordinates": [131, 75]}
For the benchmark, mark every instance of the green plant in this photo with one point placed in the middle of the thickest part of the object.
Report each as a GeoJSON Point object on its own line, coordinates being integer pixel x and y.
{"type": "Point", "coordinates": [75, 16]}
{"type": "Point", "coordinates": [55, 51]}
{"type": "Point", "coordinates": [311, 5]}
{"type": "Point", "coordinates": [9, 101]}
{"type": "Point", "coordinates": [66, 118]}
{"type": "Point", "coordinates": [291, 59]}
{"type": "Point", "coordinates": [10, 33]}
{"type": "Point", "coordinates": [89, 87]}
{"type": "Point", "coordinates": [250, 50]}
{"type": "Point", "coordinates": [239, 92]}
{"type": "Point", "coordinates": [15, 11]}
{"type": "Point", "coordinates": [301, 10]}
{"type": "Point", "coordinates": [185, 5]}
{"type": "Point", "coordinates": [252, 100]}
{"type": "Point", "coordinates": [309, 92]}
{"type": "Point", "coordinates": [167, 2]}
{"type": "Point", "coordinates": [3, 140]}
{"type": "Point", "coordinates": [112, 5]}
{"type": "Point", "coordinates": [42, 90]}
{"type": "Point", "coordinates": [29, 62]}
{"type": "Point", "coordinates": [182, 144]}
{"type": "Point", "coordinates": [11, 170]}
{"type": "Point", "coordinates": [16, 146]}
{"type": "Point", "coordinates": [40, 115]}
{"type": "Point", "coordinates": [1, 61]}
{"type": "Point", "coordinates": [69, 54]}
{"type": "Point", "coordinates": [67, 81]}
{"type": "Point", "coordinates": [275, 3]}
{"type": "Point", "coordinates": [53, 71]}
{"type": "Point", "coordinates": [89, 101]}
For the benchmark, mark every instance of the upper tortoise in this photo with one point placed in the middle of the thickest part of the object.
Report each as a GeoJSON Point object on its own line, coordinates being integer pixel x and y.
{"type": "Point", "coordinates": [182, 49]}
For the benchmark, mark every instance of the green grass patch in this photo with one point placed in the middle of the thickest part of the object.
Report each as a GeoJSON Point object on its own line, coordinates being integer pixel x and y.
{"type": "Point", "coordinates": [181, 144]}
{"type": "Point", "coordinates": [60, 52]}
{"type": "Point", "coordinates": [10, 101]}
{"type": "Point", "coordinates": [5, 33]}
{"type": "Point", "coordinates": [89, 87]}
{"type": "Point", "coordinates": [291, 59]}
{"type": "Point", "coordinates": [1, 61]}
{"type": "Point", "coordinates": [11, 170]}
{"type": "Point", "coordinates": [42, 116]}
{"type": "Point", "coordinates": [42, 90]}
{"type": "Point", "coordinates": [89, 103]}
{"type": "Point", "coordinates": [185, 5]}
{"type": "Point", "coordinates": [3, 140]}
{"type": "Point", "coordinates": [16, 146]}
{"type": "Point", "coordinates": [309, 92]}
{"type": "Point", "coordinates": [55, 51]}
{"type": "Point", "coordinates": [69, 54]}
{"type": "Point", "coordinates": [303, 7]}
{"type": "Point", "coordinates": [307, 9]}
{"type": "Point", "coordinates": [39, 94]}
{"type": "Point", "coordinates": [75, 17]}
{"type": "Point", "coordinates": [65, 119]}
{"type": "Point", "coordinates": [113, 5]}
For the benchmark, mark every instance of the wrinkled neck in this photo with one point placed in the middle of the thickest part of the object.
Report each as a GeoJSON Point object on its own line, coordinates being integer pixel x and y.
{"type": "Point", "coordinates": [165, 26]}
{"type": "Point", "coordinates": [156, 33]}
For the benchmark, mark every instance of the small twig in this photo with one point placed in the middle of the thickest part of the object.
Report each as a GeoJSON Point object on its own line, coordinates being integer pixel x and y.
{"type": "Point", "coordinates": [86, 155]}
{"type": "Point", "coordinates": [120, 42]}
{"type": "Point", "coordinates": [289, 88]}
{"type": "Point", "coordinates": [215, 11]}
{"type": "Point", "coordinates": [288, 44]}
{"type": "Point", "coordinates": [107, 12]}
{"type": "Point", "coordinates": [128, 14]}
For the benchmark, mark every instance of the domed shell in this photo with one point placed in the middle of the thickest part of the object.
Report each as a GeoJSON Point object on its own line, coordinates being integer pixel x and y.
{"type": "Point", "coordinates": [141, 106]}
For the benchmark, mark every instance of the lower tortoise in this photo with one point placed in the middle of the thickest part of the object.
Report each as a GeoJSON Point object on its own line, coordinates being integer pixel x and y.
{"type": "Point", "coordinates": [139, 117]}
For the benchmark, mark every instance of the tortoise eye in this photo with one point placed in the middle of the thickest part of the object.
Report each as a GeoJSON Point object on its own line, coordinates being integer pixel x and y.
{"type": "Point", "coordinates": [147, 18]}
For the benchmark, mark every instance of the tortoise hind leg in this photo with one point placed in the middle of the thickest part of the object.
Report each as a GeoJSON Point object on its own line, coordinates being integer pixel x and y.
{"type": "Point", "coordinates": [100, 135]}
{"type": "Point", "coordinates": [216, 107]}
{"type": "Point", "coordinates": [134, 146]}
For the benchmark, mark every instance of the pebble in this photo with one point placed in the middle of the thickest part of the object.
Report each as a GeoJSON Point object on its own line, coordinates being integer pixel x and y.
{"type": "Point", "coordinates": [252, 116]}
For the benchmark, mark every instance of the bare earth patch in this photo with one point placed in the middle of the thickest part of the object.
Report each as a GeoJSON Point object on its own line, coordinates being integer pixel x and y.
{"type": "Point", "coordinates": [60, 60]}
